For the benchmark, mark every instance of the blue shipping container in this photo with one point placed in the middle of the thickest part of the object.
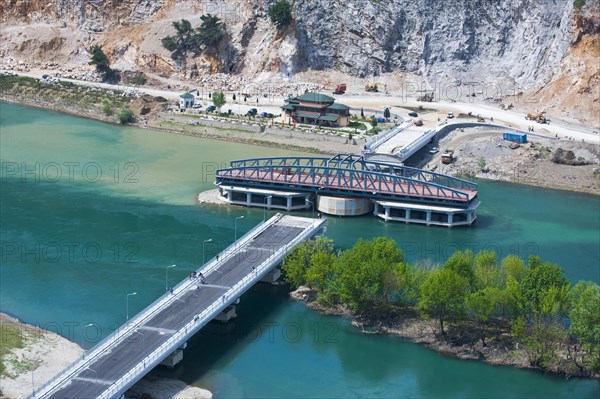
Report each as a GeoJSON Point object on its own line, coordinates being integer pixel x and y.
{"type": "Point", "coordinates": [380, 119]}
{"type": "Point", "coordinates": [516, 137]}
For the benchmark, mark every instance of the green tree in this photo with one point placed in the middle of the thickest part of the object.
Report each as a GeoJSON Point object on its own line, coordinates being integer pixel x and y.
{"type": "Point", "coordinates": [462, 263]}
{"type": "Point", "coordinates": [540, 277]}
{"type": "Point", "coordinates": [185, 40]}
{"type": "Point", "coordinates": [541, 340]}
{"type": "Point", "coordinates": [210, 32]}
{"type": "Point", "coordinates": [368, 274]}
{"type": "Point", "coordinates": [410, 291]}
{"type": "Point", "coordinates": [585, 320]}
{"type": "Point", "coordinates": [511, 299]}
{"type": "Point", "coordinates": [297, 263]}
{"type": "Point", "coordinates": [386, 113]}
{"type": "Point", "coordinates": [107, 108]}
{"type": "Point", "coordinates": [138, 79]}
{"type": "Point", "coordinates": [320, 270]}
{"type": "Point", "coordinates": [485, 270]}
{"type": "Point", "coordinates": [280, 13]}
{"type": "Point", "coordinates": [126, 116]}
{"type": "Point", "coordinates": [100, 61]}
{"type": "Point", "coordinates": [218, 99]}
{"type": "Point", "coordinates": [483, 305]}
{"type": "Point", "coordinates": [234, 98]}
{"type": "Point", "coordinates": [481, 162]}
{"type": "Point", "coordinates": [513, 266]}
{"type": "Point", "coordinates": [443, 295]}
{"type": "Point", "coordinates": [362, 113]}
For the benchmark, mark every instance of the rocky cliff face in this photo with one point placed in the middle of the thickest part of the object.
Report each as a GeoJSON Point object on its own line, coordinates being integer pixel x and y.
{"type": "Point", "coordinates": [524, 43]}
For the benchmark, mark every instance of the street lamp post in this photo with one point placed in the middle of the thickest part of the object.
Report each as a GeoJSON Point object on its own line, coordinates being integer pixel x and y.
{"type": "Point", "coordinates": [167, 277]}
{"type": "Point", "coordinates": [204, 250]}
{"type": "Point", "coordinates": [127, 304]}
{"type": "Point", "coordinates": [82, 330]}
{"type": "Point", "coordinates": [235, 227]}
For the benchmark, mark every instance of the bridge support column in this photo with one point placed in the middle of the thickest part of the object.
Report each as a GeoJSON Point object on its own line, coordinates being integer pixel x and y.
{"type": "Point", "coordinates": [173, 359]}
{"type": "Point", "coordinates": [428, 217]}
{"type": "Point", "coordinates": [470, 217]}
{"type": "Point", "coordinates": [248, 199]}
{"type": "Point", "coordinates": [289, 204]}
{"type": "Point", "coordinates": [407, 216]}
{"type": "Point", "coordinates": [272, 277]}
{"type": "Point", "coordinates": [227, 314]}
{"type": "Point", "coordinates": [450, 218]}
{"type": "Point", "coordinates": [387, 213]}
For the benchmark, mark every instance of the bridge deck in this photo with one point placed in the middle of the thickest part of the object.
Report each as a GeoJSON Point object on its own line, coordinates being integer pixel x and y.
{"type": "Point", "coordinates": [183, 311]}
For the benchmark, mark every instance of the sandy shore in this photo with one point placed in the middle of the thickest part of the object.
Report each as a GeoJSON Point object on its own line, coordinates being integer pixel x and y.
{"type": "Point", "coordinates": [45, 354]}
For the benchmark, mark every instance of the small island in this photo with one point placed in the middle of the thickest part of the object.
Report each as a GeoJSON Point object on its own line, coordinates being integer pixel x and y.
{"type": "Point", "coordinates": [510, 312]}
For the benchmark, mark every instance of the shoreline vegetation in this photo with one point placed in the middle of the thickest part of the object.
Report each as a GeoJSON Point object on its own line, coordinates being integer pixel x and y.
{"type": "Point", "coordinates": [31, 356]}
{"type": "Point", "coordinates": [150, 113]}
{"type": "Point", "coordinates": [474, 306]}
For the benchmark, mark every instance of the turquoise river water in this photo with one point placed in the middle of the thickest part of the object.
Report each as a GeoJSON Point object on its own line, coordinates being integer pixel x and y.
{"type": "Point", "coordinates": [91, 212]}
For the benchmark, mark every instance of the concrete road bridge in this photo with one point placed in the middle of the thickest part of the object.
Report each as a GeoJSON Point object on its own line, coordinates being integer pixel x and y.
{"type": "Point", "coordinates": [160, 332]}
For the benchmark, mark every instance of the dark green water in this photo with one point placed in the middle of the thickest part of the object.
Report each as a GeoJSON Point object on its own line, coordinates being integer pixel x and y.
{"type": "Point", "coordinates": [74, 243]}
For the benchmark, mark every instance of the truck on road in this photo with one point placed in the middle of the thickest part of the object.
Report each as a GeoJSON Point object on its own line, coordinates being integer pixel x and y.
{"type": "Point", "coordinates": [447, 156]}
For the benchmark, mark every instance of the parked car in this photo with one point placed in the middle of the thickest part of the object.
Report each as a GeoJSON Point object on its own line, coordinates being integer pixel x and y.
{"type": "Point", "coordinates": [210, 108]}
{"type": "Point", "coordinates": [252, 111]}
{"type": "Point", "coordinates": [197, 105]}
{"type": "Point", "coordinates": [413, 114]}
{"type": "Point", "coordinates": [434, 150]}
{"type": "Point", "coordinates": [450, 115]}
{"type": "Point", "coordinates": [266, 115]}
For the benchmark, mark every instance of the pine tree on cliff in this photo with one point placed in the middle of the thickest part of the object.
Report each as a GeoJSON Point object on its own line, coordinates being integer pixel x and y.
{"type": "Point", "coordinates": [280, 13]}
{"type": "Point", "coordinates": [185, 40]}
{"type": "Point", "coordinates": [211, 32]}
{"type": "Point", "coordinates": [100, 60]}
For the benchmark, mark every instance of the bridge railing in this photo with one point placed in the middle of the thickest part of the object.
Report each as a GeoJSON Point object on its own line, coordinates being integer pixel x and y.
{"type": "Point", "coordinates": [351, 162]}
{"type": "Point", "coordinates": [135, 322]}
{"type": "Point", "coordinates": [345, 179]}
{"type": "Point", "coordinates": [416, 145]}
{"type": "Point", "coordinates": [174, 342]}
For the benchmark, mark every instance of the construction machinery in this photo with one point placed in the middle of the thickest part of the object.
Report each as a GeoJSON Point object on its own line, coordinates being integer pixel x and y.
{"type": "Point", "coordinates": [340, 89]}
{"type": "Point", "coordinates": [374, 87]}
{"type": "Point", "coordinates": [538, 117]}
{"type": "Point", "coordinates": [447, 156]}
{"type": "Point", "coordinates": [480, 119]}
{"type": "Point", "coordinates": [426, 97]}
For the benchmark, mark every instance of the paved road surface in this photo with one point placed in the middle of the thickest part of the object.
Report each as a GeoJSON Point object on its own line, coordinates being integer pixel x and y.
{"type": "Point", "coordinates": [112, 365]}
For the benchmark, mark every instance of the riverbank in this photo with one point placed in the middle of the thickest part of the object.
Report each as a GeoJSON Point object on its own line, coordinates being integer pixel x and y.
{"type": "Point", "coordinates": [480, 154]}
{"type": "Point", "coordinates": [31, 356]}
{"type": "Point", "coordinates": [461, 341]}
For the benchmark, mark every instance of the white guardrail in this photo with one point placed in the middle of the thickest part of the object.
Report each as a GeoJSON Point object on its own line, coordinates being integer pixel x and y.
{"type": "Point", "coordinates": [123, 332]}
{"type": "Point", "coordinates": [120, 386]}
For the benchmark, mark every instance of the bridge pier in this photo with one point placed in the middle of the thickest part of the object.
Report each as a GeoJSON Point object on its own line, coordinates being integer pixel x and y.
{"type": "Point", "coordinates": [272, 277]}
{"type": "Point", "coordinates": [227, 314]}
{"type": "Point", "coordinates": [426, 214]}
{"type": "Point", "coordinates": [173, 359]}
{"type": "Point", "coordinates": [270, 199]}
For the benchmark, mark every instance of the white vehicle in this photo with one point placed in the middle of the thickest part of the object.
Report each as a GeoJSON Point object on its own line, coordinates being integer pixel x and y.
{"type": "Point", "coordinates": [450, 115]}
